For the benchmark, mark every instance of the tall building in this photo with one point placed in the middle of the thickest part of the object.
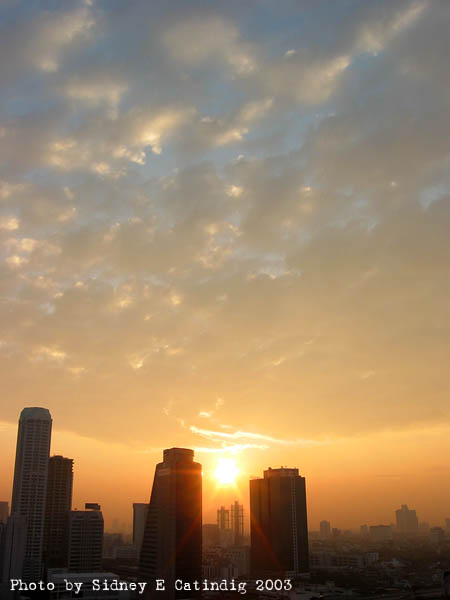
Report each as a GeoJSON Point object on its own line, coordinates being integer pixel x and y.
{"type": "Point", "coordinates": [140, 510]}
{"type": "Point", "coordinates": [237, 523]}
{"type": "Point", "coordinates": [57, 509]}
{"type": "Point", "coordinates": [29, 493]}
{"type": "Point", "coordinates": [4, 512]}
{"type": "Point", "coordinates": [85, 539]}
{"type": "Point", "coordinates": [279, 529]}
{"type": "Point", "coordinates": [325, 529]}
{"type": "Point", "coordinates": [223, 518]}
{"type": "Point", "coordinates": [407, 521]}
{"type": "Point", "coordinates": [447, 526]}
{"type": "Point", "coordinates": [172, 544]}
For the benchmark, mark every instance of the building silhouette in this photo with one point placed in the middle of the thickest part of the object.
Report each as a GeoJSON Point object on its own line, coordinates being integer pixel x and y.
{"type": "Point", "coordinates": [140, 510]}
{"type": "Point", "coordinates": [172, 544]}
{"type": "Point", "coordinates": [407, 521]}
{"type": "Point", "coordinates": [325, 529]}
{"type": "Point", "coordinates": [25, 529]}
{"type": "Point", "coordinates": [278, 521]}
{"type": "Point", "coordinates": [223, 518]}
{"type": "Point", "coordinates": [85, 539]}
{"type": "Point", "coordinates": [57, 509]}
{"type": "Point", "coordinates": [237, 523]}
{"type": "Point", "coordinates": [4, 512]}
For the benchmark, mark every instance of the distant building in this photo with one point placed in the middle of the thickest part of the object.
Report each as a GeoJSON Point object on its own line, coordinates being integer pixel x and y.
{"type": "Point", "coordinates": [437, 535]}
{"type": "Point", "coordinates": [140, 510]}
{"type": "Point", "coordinates": [223, 518]}
{"type": "Point", "coordinates": [279, 531]}
{"type": "Point", "coordinates": [407, 521]}
{"type": "Point", "coordinates": [4, 512]}
{"type": "Point", "coordinates": [325, 529]}
{"type": "Point", "coordinates": [424, 528]}
{"type": "Point", "coordinates": [447, 526]}
{"type": "Point", "coordinates": [335, 532]}
{"type": "Point", "coordinates": [24, 541]}
{"type": "Point", "coordinates": [364, 531]}
{"type": "Point", "coordinates": [237, 523]}
{"type": "Point", "coordinates": [239, 557]}
{"type": "Point", "coordinates": [57, 509]}
{"type": "Point", "coordinates": [210, 535]}
{"type": "Point", "coordinates": [380, 533]}
{"type": "Point", "coordinates": [172, 544]}
{"type": "Point", "coordinates": [85, 541]}
{"type": "Point", "coordinates": [342, 560]}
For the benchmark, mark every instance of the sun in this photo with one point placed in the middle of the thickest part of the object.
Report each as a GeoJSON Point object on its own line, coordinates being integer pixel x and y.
{"type": "Point", "coordinates": [226, 471]}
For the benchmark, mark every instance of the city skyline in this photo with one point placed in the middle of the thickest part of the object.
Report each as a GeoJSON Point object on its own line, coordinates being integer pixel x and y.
{"type": "Point", "coordinates": [216, 505]}
{"type": "Point", "coordinates": [224, 226]}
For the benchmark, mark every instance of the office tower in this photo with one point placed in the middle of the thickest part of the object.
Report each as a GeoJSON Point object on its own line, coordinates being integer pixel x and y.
{"type": "Point", "coordinates": [364, 531]}
{"type": "Point", "coordinates": [437, 535]}
{"type": "Point", "coordinates": [57, 509]}
{"type": "Point", "coordinates": [4, 512]}
{"type": "Point", "coordinates": [85, 539]}
{"type": "Point", "coordinates": [29, 492]}
{"type": "Point", "coordinates": [140, 510]}
{"type": "Point", "coordinates": [325, 529]}
{"type": "Point", "coordinates": [447, 526]}
{"type": "Point", "coordinates": [237, 523]}
{"type": "Point", "coordinates": [279, 529]}
{"type": "Point", "coordinates": [223, 518]}
{"type": "Point", "coordinates": [407, 521]}
{"type": "Point", "coordinates": [172, 544]}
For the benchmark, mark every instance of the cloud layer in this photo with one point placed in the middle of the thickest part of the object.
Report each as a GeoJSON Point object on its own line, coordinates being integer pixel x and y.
{"type": "Point", "coordinates": [202, 201]}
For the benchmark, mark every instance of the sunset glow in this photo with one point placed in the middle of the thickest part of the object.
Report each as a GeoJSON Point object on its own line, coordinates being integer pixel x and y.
{"type": "Point", "coordinates": [224, 226]}
{"type": "Point", "coordinates": [226, 471]}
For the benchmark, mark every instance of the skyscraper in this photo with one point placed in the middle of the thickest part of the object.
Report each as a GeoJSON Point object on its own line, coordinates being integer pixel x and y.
{"type": "Point", "coordinates": [172, 544]}
{"type": "Point", "coordinates": [237, 522]}
{"type": "Point", "coordinates": [58, 505]}
{"type": "Point", "coordinates": [29, 493]}
{"type": "Point", "coordinates": [325, 529]}
{"type": "Point", "coordinates": [4, 512]}
{"type": "Point", "coordinates": [223, 518]}
{"type": "Point", "coordinates": [85, 539]}
{"type": "Point", "coordinates": [279, 530]}
{"type": "Point", "coordinates": [407, 521]}
{"type": "Point", "coordinates": [140, 510]}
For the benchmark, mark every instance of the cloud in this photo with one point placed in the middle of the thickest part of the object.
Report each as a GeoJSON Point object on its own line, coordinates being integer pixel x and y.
{"type": "Point", "coordinates": [257, 216]}
{"type": "Point", "coordinates": [245, 435]}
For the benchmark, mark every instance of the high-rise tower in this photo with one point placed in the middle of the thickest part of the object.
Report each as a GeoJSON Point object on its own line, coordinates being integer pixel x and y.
{"type": "Point", "coordinates": [237, 522]}
{"type": "Point", "coordinates": [407, 521]}
{"type": "Point", "coordinates": [172, 544]}
{"type": "Point", "coordinates": [86, 539]}
{"type": "Point", "coordinates": [279, 530]}
{"type": "Point", "coordinates": [58, 505]}
{"type": "Point", "coordinates": [29, 492]}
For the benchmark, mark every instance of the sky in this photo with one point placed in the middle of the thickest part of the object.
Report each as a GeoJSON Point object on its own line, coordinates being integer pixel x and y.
{"type": "Point", "coordinates": [225, 225]}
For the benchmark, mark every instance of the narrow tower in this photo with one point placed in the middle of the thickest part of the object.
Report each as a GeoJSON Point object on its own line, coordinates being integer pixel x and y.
{"type": "Point", "coordinates": [172, 544]}
{"type": "Point", "coordinates": [29, 492]}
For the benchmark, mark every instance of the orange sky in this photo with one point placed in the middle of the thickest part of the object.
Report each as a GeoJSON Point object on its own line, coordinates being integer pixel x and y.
{"type": "Point", "coordinates": [239, 246]}
{"type": "Point", "coordinates": [350, 481]}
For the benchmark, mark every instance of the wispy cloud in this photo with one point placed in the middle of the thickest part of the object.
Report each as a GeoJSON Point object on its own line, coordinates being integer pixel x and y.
{"type": "Point", "coordinates": [220, 436]}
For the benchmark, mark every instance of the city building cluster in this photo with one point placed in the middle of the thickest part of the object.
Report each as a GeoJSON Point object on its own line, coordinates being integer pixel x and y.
{"type": "Point", "coordinates": [48, 547]}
